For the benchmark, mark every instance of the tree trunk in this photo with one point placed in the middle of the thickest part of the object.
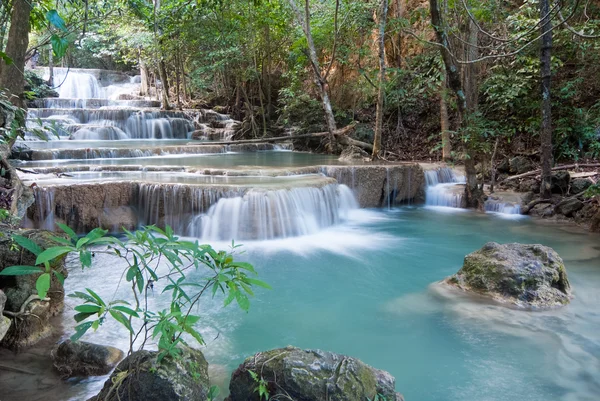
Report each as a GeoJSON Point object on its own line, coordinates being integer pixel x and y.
{"type": "Point", "coordinates": [381, 94]}
{"type": "Point", "coordinates": [473, 194]}
{"type": "Point", "coordinates": [11, 76]}
{"type": "Point", "coordinates": [320, 81]}
{"type": "Point", "coordinates": [51, 67]}
{"type": "Point", "coordinates": [177, 82]}
{"type": "Point", "coordinates": [445, 121]}
{"type": "Point", "coordinates": [546, 126]}
{"type": "Point", "coordinates": [165, 85]}
{"type": "Point", "coordinates": [470, 71]}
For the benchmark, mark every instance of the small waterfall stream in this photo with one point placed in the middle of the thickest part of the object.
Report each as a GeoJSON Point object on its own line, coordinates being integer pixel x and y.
{"type": "Point", "coordinates": [443, 187]}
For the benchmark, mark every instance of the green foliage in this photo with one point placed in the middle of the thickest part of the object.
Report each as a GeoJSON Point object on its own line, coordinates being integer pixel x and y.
{"type": "Point", "coordinates": [261, 385]}
{"type": "Point", "coordinates": [14, 120]}
{"type": "Point", "coordinates": [378, 397]}
{"type": "Point", "coordinates": [152, 257]}
{"type": "Point", "coordinates": [592, 192]}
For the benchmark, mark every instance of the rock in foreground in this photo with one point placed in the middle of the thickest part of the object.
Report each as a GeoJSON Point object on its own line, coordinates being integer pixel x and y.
{"type": "Point", "coordinates": [528, 276]}
{"type": "Point", "coordinates": [310, 375]}
{"type": "Point", "coordinates": [139, 377]}
{"type": "Point", "coordinates": [85, 359]}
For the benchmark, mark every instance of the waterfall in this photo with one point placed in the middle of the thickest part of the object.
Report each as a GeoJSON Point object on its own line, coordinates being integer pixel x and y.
{"type": "Point", "coordinates": [44, 203]}
{"type": "Point", "coordinates": [76, 85]}
{"type": "Point", "coordinates": [443, 188]}
{"type": "Point", "coordinates": [495, 206]}
{"type": "Point", "coordinates": [281, 213]}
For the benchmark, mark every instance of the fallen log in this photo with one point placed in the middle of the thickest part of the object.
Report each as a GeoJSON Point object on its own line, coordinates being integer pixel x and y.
{"type": "Point", "coordinates": [534, 172]}
{"type": "Point", "coordinates": [340, 135]}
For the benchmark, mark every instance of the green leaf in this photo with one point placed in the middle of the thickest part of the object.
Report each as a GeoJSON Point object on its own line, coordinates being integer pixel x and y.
{"type": "Point", "coordinates": [68, 231]}
{"type": "Point", "coordinates": [119, 317]}
{"type": "Point", "coordinates": [61, 240]}
{"type": "Point", "coordinates": [6, 59]}
{"type": "Point", "coordinates": [80, 317]}
{"type": "Point", "coordinates": [230, 297]}
{"type": "Point", "coordinates": [42, 285]}
{"type": "Point", "coordinates": [59, 46]}
{"type": "Point", "coordinates": [126, 310]}
{"type": "Point", "coordinates": [59, 276]}
{"type": "Point", "coordinates": [242, 301]}
{"type": "Point", "coordinates": [28, 244]}
{"type": "Point", "coordinates": [243, 265]}
{"type": "Point", "coordinates": [80, 330]}
{"type": "Point", "coordinates": [52, 253]}
{"type": "Point", "coordinates": [55, 19]}
{"type": "Point", "coordinates": [258, 283]}
{"type": "Point", "coordinates": [84, 296]}
{"type": "Point", "coordinates": [21, 270]}
{"type": "Point", "coordinates": [96, 297]}
{"type": "Point", "coordinates": [88, 308]}
{"type": "Point", "coordinates": [85, 257]}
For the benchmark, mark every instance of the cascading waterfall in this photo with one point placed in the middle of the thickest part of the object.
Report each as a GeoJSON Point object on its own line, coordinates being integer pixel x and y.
{"type": "Point", "coordinates": [502, 207]}
{"type": "Point", "coordinates": [283, 213]}
{"type": "Point", "coordinates": [230, 213]}
{"type": "Point", "coordinates": [443, 188]}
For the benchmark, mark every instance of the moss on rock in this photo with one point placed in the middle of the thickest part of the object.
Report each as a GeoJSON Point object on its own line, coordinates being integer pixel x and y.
{"type": "Point", "coordinates": [530, 276]}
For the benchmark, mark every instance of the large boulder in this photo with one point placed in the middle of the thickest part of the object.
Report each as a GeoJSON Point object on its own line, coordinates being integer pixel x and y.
{"type": "Point", "coordinates": [579, 185]}
{"type": "Point", "coordinates": [22, 303]}
{"type": "Point", "coordinates": [520, 165]}
{"type": "Point", "coordinates": [140, 377]}
{"type": "Point", "coordinates": [568, 207]}
{"type": "Point", "coordinates": [527, 276]}
{"type": "Point", "coordinates": [310, 375]}
{"type": "Point", "coordinates": [84, 359]}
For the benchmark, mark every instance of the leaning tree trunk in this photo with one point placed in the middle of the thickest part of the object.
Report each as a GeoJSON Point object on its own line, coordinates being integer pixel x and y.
{"type": "Point", "coordinates": [473, 194]}
{"type": "Point", "coordinates": [546, 126]}
{"type": "Point", "coordinates": [381, 94]}
{"type": "Point", "coordinates": [321, 82]}
{"type": "Point", "coordinates": [11, 76]}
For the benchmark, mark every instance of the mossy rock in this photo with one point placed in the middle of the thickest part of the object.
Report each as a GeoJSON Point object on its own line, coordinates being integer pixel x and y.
{"type": "Point", "coordinates": [140, 377]}
{"type": "Point", "coordinates": [28, 329]}
{"type": "Point", "coordinates": [527, 276]}
{"type": "Point", "coordinates": [82, 359]}
{"type": "Point", "coordinates": [310, 375]}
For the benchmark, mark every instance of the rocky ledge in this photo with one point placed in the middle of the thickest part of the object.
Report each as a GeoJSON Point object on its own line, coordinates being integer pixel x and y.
{"type": "Point", "coordinates": [525, 276]}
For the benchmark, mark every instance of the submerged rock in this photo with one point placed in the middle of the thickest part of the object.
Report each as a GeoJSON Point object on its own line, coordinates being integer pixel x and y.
{"type": "Point", "coordinates": [84, 359]}
{"type": "Point", "coordinates": [139, 377]}
{"type": "Point", "coordinates": [529, 276]}
{"type": "Point", "coordinates": [310, 375]}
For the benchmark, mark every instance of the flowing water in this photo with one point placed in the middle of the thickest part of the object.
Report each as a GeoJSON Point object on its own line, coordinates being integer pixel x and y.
{"type": "Point", "coordinates": [354, 281]}
{"type": "Point", "coordinates": [364, 288]}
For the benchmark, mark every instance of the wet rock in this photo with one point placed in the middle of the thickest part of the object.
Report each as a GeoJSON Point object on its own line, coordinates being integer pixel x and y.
{"type": "Point", "coordinates": [84, 359]}
{"type": "Point", "coordinates": [293, 373]}
{"type": "Point", "coordinates": [353, 153]}
{"type": "Point", "coordinates": [33, 314]}
{"type": "Point", "coordinates": [504, 166]}
{"type": "Point", "coordinates": [568, 207]}
{"type": "Point", "coordinates": [4, 321]}
{"type": "Point", "coordinates": [520, 165]}
{"type": "Point", "coordinates": [528, 276]}
{"type": "Point", "coordinates": [595, 223]}
{"type": "Point", "coordinates": [579, 185]}
{"type": "Point", "coordinates": [377, 186]}
{"type": "Point", "coordinates": [530, 185]}
{"type": "Point", "coordinates": [560, 182]}
{"type": "Point", "coordinates": [139, 377]}
{"type": "Point", "coordinates": [118, 218]}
